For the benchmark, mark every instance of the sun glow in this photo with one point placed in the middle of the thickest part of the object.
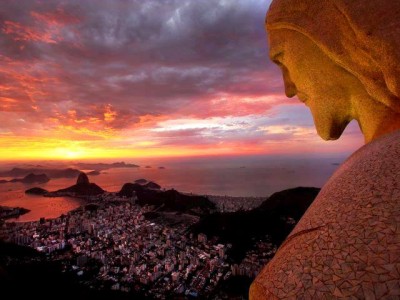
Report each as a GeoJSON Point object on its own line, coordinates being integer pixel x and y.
{"type": "Point", "coordinates": [70, 153]}
{"type": "Point", "coordinates": [48, 149]}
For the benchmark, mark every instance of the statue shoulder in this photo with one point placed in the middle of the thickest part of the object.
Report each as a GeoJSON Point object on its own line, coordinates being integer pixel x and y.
{"type": "Point", "coordinates": [368, 176]}
{"type": "Point", "coordinates": [370, 164]}
{"type": "Point", "coordinates": [349, 230]}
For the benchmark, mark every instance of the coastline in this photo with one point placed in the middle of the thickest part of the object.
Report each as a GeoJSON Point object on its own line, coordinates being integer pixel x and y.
{"type": "Point", "coordinates": [223, 204]}
{"type": "Point", "coordinates": [7, 212]}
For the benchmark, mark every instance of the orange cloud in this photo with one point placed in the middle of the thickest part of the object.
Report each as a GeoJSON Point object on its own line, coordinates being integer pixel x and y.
{"type": "Point", "coordinates": [109, 114]}
{"type": "Point", "coordinates": [19, 32]}
{"type": "Point", "coordinates": [55, 18]}
{"type": "Point", "coordinates": [47, 27]}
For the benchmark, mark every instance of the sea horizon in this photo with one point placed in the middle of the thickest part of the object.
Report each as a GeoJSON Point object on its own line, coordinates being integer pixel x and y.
{"type": "Point", "coordinates": [250, 176]}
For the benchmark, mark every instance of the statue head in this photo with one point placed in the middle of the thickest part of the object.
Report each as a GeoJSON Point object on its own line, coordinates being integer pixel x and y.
{"type": "Point", "coordinates": [342, 58]}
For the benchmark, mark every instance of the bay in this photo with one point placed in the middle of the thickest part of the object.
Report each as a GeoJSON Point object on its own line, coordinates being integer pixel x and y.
{"type": "Point", "coordinates": [243, 177]}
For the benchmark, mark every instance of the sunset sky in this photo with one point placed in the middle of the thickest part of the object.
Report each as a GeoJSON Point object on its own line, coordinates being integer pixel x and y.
{"type": "Point", "coordinates": [104, 79]}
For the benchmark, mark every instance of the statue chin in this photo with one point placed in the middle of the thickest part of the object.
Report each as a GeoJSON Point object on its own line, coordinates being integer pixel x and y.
{"type": "Point", "coordinates": [331, 135]}
{"type": "Point", "coordinates": [330, 131]}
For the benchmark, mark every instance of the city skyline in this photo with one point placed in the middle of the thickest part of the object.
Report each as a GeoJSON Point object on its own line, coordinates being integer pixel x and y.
{"type": "Point", "coordinates": [146, 79]}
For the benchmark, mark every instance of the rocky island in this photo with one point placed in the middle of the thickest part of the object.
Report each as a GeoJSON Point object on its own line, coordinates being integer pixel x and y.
{"type": "Point", "coordinates": [83, 187]}
{"type": "Point", "coordinates": [36, 191]}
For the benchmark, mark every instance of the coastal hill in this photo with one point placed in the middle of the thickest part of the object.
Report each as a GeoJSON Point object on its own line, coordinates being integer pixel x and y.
{"type": "Point", "coordinates": [152, 185]}
{"type": "Point", "coordinates": [82, 188]}
{"type": "Point", "coordinates": [148, 193]}
{"type": "Point", "coordinates": [173, 200]}
{"type": "Point", "coordinates": [290, 203]}
{"type": "Point", "coordinates": [141, 181]}
{"type": "Point", "coordinates": [148, 184]}
{"type": "Point", "coordinates": [275, 217]}
{"type": "Point", "coordinates": [129, 189]}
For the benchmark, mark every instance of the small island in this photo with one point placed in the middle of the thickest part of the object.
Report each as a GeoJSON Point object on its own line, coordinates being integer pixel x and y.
{"type": "Point", "coordinates": [32, 178]}
{"type": "Point", "coordinates": [36, 191]}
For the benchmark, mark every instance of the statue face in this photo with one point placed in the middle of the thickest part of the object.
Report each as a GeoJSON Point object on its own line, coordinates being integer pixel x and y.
{"type": "Point", "coordinates": [325, 87]}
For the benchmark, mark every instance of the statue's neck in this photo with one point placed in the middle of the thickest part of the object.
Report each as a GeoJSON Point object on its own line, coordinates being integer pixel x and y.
{"type": "Point", "coordinates": [375, 119]}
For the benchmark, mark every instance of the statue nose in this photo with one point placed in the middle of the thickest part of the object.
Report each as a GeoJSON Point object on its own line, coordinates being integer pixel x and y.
{"type": "Point", "coordinates": [290, 87]}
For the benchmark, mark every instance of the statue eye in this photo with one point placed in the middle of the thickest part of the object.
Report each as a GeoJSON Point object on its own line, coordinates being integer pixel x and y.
{"type": "Point", "coordinates": [277, 58]}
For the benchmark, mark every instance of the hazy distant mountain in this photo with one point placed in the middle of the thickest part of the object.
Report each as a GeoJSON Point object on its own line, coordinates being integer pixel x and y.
{"type": "Point", "coordinates": [103, 166]}
{"type": "Point", "coordinates": [52, 173]}
{"type": "Point", "coordinates": [66, 172]}
{"type": "Point", "coordinates": [93, 173]}
{"type": "Point", "coordinates": [32, 178]}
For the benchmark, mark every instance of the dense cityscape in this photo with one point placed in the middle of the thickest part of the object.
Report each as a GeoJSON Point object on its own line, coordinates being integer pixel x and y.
{"type": "Point", "coordinates": [113, 244]}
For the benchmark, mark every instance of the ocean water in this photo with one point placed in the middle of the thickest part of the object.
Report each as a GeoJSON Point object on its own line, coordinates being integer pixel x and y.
{"type": "Point", "coordinates": [257, 176]}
